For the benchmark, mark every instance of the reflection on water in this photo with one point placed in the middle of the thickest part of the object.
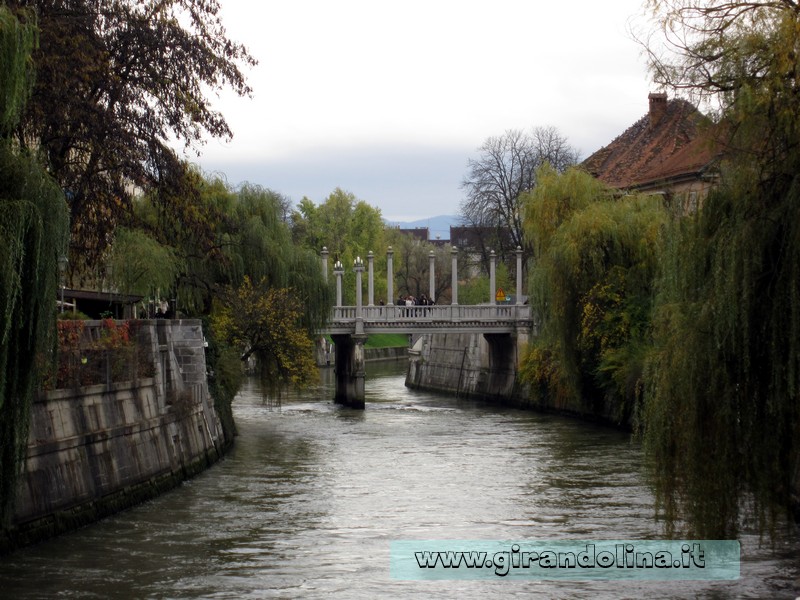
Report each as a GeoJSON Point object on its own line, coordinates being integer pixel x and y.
{"type": "Point", "coordinates": [308, 500]}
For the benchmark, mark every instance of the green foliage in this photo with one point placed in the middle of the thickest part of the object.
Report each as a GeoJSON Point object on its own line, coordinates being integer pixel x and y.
{"type": "Point", "coordinates": [348, 228]}
{"type": "Point", "coordinates": [225, 377]}
{"type": "Point", "coordinates": [215, 237]}
{"type": "Point", "coordinates": [73, 315]}
{"type": "Point", "coordinates": [476, 289]}
{"type": "Point", "coordinates": [555, 198]}
{"type": "Point", "coordinates": [33, 230]}
{"type": "Point", "coordinates": [17, 42]}
{"type": "Point", "coordinates": [591, 291]}
{"type": "Point", "coordinates": [205, 244]}
{"type": "Point", "coordinates": [722, 408]}
{"type": "Point", "coordinates": [117, 83]}
{"type": "Point", "coordinates": [723, 412]}
{"type": "Point", "coordinates": [33, 227]}
{"type": "Point", "coordinates": [266, 323]}
{"type": "Point", "coordinates": [141, 264]}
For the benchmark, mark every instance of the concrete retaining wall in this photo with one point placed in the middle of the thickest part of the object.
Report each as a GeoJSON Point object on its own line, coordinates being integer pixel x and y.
{"type": "Point", "coordinates": [467, 365]}
{"type": "Point", "coordinates": [485, 367]}
{"type": "Point", "coordinates": [95, 450]}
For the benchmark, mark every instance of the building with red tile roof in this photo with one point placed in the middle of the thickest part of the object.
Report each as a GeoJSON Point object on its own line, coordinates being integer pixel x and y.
{"type": "Point", "coordinates": [666, 151]}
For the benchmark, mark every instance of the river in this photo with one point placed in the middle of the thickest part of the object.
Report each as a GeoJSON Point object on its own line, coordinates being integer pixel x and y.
{"type": "Point", "coordinates": [309, 499]}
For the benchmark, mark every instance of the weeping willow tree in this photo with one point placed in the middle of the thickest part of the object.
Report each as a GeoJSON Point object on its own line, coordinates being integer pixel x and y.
{"type": "Point", "coordinates": [18, 39]}
{"type": "Point", "coordinates": [723, 410]}
{"type": "Point", "coordinates": [141, 264]}
{"type": "Point", "coordinates": [264, 250]}
{"type": "Point", "coordinates": [595, 260]}
{"type": "Point", "coordinates": [237, 266]}
{"type": "Point", "coordinates": [722, 413]}
{"type": "Point", "coordinates": [33, 229]}
{"type": "Point", "coordinates": [275, 297]}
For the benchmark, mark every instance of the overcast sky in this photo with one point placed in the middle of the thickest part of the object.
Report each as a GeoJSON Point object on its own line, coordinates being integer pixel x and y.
{"type": "Point", "coordinates": [389, 100]}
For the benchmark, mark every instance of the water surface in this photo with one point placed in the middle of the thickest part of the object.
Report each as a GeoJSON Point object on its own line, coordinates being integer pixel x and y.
{"type": "Point", "coordinates": [308, 500]}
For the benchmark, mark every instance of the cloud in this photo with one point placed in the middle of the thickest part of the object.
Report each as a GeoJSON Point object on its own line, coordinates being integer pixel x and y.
{"type": "Point", "coordinates": [406, 183]}
{"type": "Point", "coordinates": [390, 101]}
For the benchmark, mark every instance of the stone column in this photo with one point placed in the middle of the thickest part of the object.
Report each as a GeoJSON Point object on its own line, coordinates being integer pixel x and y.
{"type": "Point", "coordinates": [358, 267]}
{"type": "Point", "coordinates": [432, 276]}
{"type": "Point", "coordinates": [358, 375]}
{"type": "Point", "coordinates": [370, 279]}
{"type": "Point", "coordinates": [324, 255]}
{"type": "Point", "coordinates": [492, 277]}
{"type": "Point", "coordinates": [519, 275]}
{"type": "Point", "coordinates": [338, 270]}
{"type": "Point", "coordinates": [454, 279]}
{"type": "Point", "coordinates": [389, 277]}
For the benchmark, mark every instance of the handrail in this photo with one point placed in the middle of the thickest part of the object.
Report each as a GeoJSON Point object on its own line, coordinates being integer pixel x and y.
{"type": "Point", "coordinates": [431, 314]}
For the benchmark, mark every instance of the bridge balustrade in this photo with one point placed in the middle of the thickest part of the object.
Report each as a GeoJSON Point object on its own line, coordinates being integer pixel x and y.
{"type": "Point", "coordinates": [404, 315]}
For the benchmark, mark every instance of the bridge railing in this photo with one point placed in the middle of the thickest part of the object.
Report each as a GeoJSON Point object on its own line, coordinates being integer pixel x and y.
{"type": "Point", "coordinates": [447, 312]}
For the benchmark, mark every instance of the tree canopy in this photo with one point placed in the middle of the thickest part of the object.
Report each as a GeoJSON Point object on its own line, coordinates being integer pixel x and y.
{"type": "Point", "coordinates": [346, 226]}
{"type": "Point", "coordinates": [721, 415]}
{"type": "Point", "coordinates": [596, 255]}
{"type": "Point", "coordinates": [506, 169]}
{"type": "Point", "coordinates": [33, 230]}
{"type": "Point", "coordinates": [265, 322]}
{"type": "Point", "coordinates": [116, 82]}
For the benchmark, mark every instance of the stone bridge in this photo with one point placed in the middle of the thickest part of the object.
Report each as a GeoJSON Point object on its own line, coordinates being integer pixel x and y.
{"type": "Point", "coordinates": [503, 325]}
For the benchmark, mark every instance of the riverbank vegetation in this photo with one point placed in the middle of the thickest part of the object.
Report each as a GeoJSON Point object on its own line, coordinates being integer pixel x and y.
{"type": "Point", "coordinates": [723, 407]}
{"type": "Point", "coordinates": [93, 97]}
{"type": "Point", "coordinates": [688, 325]}
{"type": "Point", "coordinates": [595, 260]}
{"type": "Point", "coordinates": [33, 229]}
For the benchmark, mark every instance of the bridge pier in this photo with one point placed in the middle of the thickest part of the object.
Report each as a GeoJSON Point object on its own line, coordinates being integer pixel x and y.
{"type": "Point", "coordinates": [502, 363]}
{"type": "Point", "coordinates": [350, 370]}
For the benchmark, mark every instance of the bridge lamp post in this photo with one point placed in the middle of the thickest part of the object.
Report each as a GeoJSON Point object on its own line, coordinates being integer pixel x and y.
{"type": "Point", "coordinates": [431, 277]}
{"type": "Point", "coordinates": [370, 279]}
{"type": "Point", "coordinates": [358, 267]}
{"type": "Point", "coordinates": [492, 277]}
{"type": "Point", "coordinates": [454, 276]}
{"type": "Point", "coordinates": [519, 275]}
{"type": "Point", "coordinates": [338, 270]}
{"type": "Point", "coordinates": [389, 277]}
{"type": "Point", "coordinates": [324, 257]}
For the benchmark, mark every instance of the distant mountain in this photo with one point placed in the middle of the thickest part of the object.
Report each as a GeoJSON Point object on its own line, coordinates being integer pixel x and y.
{"type": "Point", "coordinates": [437, 226]}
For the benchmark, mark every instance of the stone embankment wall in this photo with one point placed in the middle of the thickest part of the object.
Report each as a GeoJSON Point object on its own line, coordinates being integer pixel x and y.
{"type": "Point", "coordinates": [468, 365]}
{"type": "Point", "coordinates": [99, 449]}
{"type": "Point", "coordinates": [486, 367]}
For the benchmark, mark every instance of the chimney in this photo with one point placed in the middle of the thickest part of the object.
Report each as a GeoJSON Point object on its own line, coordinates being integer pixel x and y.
{"type": "Point", "coordinates": [658, 106]}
